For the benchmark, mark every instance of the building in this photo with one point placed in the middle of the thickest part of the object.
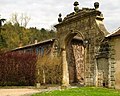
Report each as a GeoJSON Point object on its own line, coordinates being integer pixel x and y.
{"type": "Point", "coordinates": [114, 58]}
{"type": "Point", "coordinates": [41, 48]}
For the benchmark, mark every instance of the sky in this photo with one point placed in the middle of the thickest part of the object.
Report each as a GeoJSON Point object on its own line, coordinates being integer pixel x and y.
{"type": "Point", "coordinates": [44, 13]}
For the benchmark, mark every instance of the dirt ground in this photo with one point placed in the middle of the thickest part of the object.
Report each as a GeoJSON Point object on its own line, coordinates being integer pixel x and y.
{"type": "Point", "coordinates": [24, 91]}
{"type": "Point", "coordinates": [17, 92]}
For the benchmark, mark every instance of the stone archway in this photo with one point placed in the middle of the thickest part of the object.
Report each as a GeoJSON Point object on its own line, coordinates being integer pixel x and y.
{"type": "Point", "coordinates": [88, 23]}
{"type": "Point", "coordinates": [64, 46]}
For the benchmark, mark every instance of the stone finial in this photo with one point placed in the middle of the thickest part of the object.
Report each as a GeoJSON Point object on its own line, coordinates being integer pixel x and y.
{"type": "Point", "coordinates": [76, 8]}
{"type": "Point", "coordinates": [96, 5]}
{"type": "Point", "coordinates": [60, 19]}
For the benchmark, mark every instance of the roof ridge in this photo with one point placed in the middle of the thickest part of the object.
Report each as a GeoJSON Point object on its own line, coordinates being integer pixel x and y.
{"type": "Point", "coordinates": [33, 44]}
{"type": "Point", "coordinates": [113, 32]}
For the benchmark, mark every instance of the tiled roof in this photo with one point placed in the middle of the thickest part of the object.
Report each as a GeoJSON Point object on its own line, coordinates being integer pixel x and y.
{"type": "Point", "coordinates": [45, 41]}
{"type": "Point", "coordinates": [114, 33]}
{"type": "Point", "coordinates": [40, 43]}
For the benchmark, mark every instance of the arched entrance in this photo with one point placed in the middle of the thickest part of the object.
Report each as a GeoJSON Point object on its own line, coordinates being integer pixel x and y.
{"type": "Point", "coordinates": [75, 54]}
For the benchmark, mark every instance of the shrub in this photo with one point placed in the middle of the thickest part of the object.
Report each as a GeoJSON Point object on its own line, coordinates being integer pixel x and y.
{"type": "Point", "coordinates": [50, 70]}
{"type": "Point", "coordinates": [17, 68]}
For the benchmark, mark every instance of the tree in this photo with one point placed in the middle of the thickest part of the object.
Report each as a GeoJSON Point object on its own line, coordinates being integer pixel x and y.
{"type": "Point", "coordinates": [21, 20]}
{"type": "Point", "coordinates": [16, 33]}
{"type": "Point", "coordinates": [2, 40]}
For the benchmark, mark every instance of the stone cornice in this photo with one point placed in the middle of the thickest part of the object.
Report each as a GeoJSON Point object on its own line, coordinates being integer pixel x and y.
{"type": "Point", "coordinates": [84, 13]}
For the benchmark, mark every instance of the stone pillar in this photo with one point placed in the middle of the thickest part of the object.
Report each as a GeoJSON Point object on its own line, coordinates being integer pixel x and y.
{"type": "Point", "coordinates": [65, 78]}
{"type": "Point", "coordinates": [96, 66]}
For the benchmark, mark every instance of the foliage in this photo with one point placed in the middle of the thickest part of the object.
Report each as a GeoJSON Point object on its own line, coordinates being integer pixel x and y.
{"type": "Point", "coordinates": [17, 68]}
{"type": "Point", "coordinates": [2, 43]}
{"type": "Point", "coordinates": [50, 70]}
{"type": "Point", "coordinates": [84, 91]}
{"type": "Point", "coordinates": [15, 33]}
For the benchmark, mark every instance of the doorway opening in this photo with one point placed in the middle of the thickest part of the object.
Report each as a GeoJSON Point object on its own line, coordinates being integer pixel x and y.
{"type": "Point", "coordinates": [76, 61]}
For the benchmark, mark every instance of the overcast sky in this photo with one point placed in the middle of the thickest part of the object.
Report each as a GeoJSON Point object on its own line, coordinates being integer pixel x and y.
{"type": "Point", "coordinates": [44, 13]}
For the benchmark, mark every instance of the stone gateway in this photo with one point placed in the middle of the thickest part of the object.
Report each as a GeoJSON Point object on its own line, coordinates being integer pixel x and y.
{"type": "Point", "coordinates": [79, 58]}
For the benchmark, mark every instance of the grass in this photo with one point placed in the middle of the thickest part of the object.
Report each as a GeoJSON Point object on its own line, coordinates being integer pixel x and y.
{"type": "Point", "coordinates": [84, 91]}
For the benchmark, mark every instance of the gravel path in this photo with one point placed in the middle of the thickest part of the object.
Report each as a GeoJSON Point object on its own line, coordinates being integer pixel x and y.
{"type": "Point", "coordinates": [24, 91]}
{"type": "Point", "coordinates": [17, 92]}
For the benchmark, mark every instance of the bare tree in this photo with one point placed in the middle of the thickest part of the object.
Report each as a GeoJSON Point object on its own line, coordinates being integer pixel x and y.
{"type": "Point", "coordinates": [21, 20]}
{"type": "Point", "coordinates": [14, 18]}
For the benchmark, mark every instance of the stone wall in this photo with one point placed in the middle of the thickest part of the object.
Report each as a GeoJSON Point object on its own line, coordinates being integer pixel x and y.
{"type": "Point", "coordinates": [103, 69]}
{"type": "Point", "coordinates": [108, 61]}
{"type": "Point", "coordinates": [114, 60]}
{"type": "Point", "coordinates": [103, 64]}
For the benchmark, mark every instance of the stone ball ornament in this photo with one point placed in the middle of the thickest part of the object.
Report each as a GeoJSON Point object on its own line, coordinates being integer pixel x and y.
{"type": "Point", "coordinates": [60, 18]}
{"type": "Point", "coordinates": [96, 5]}
{"type": "Point", "coordinates": [76, 3]}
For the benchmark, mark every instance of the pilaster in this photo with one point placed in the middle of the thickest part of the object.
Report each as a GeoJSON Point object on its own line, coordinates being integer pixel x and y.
{"type": "Point", "coordinates": [111, 67]}
{"type": "Point", "coordinates": [65, 79]}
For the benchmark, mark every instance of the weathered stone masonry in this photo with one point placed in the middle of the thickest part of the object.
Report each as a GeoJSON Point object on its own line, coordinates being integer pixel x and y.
{"type": "Point", "coordinates": [86, 24]}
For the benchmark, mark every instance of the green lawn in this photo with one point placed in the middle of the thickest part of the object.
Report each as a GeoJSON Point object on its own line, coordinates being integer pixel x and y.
{"type": "Point", "coordinates": [84, 91]}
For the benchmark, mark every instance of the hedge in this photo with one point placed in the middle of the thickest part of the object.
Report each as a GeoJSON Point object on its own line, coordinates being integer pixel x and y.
{"type": "Point", "coordinates": [17, 69]}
